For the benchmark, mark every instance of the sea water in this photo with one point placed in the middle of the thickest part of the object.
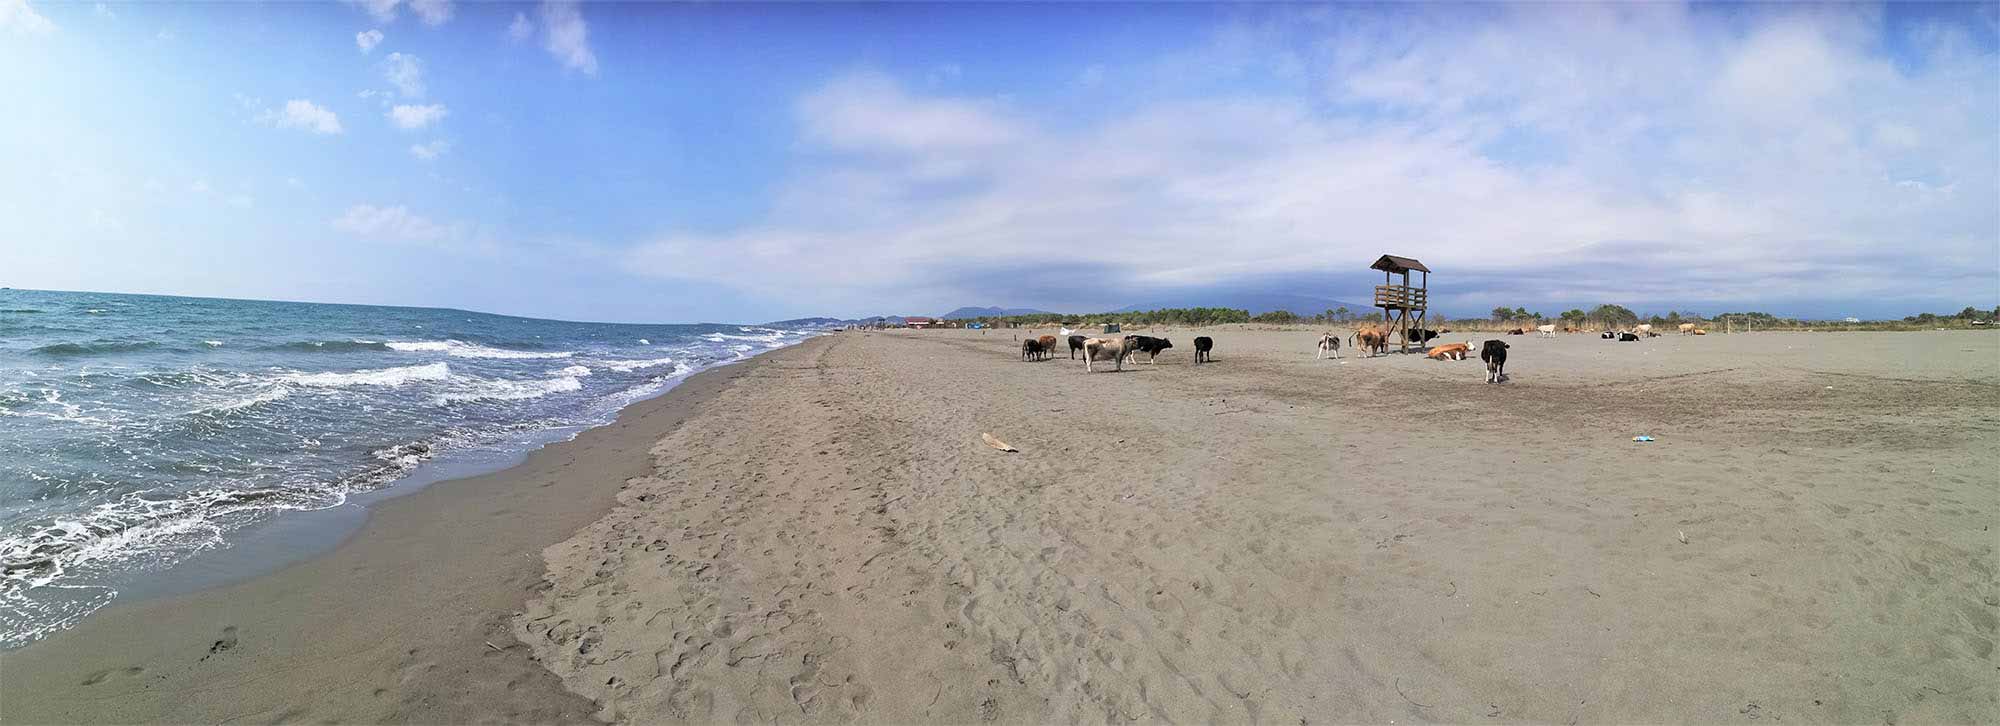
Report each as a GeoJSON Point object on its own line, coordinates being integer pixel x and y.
{"type": "Point", "coordinates": [137, 431]}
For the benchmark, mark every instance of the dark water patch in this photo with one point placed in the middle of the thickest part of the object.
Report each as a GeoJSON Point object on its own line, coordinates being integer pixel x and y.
{"type": "Point", "coordinates": [19, 311]}
{"type": "Point", "coordinates": [102, 347]}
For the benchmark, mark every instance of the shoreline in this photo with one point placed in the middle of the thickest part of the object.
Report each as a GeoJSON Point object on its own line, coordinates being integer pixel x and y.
{"type": "Point", "coordinates": [387, 625]}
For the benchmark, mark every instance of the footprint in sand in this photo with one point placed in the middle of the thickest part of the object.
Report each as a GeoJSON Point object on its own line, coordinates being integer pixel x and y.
{"type": "Point", "coordinates": [223, 645]}
{"type": "Point", "coordinates": [106, 674]}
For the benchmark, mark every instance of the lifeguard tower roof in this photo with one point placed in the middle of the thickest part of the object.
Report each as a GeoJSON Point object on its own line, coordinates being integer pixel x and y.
{"type": "Point", "coordinates": [1394, 264]}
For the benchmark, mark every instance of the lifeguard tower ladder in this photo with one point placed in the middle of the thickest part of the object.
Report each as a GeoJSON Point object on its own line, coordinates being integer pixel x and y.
{"type": "Point", "coordinates": [1403, 306]}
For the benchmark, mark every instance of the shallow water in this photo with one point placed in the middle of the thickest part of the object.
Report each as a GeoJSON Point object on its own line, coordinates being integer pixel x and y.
{"type": "Point", "coordinates": [137, 431]}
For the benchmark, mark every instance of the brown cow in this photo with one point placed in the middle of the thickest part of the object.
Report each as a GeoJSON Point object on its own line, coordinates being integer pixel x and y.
{"type": "Point", "coordinates": [1453, 351]}
{"type": "Point", "coordinates": [1048, 345]}
{"type": "Point", "coordinates": [1371, 339]}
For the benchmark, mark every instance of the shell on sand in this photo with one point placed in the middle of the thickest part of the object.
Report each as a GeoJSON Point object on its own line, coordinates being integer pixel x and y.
{"type": "Point", "coordinates": [996, 443]}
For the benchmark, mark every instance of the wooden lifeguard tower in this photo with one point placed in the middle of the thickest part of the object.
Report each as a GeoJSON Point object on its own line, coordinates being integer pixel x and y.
{"type": "Point", "coordinates": [1403, 306]}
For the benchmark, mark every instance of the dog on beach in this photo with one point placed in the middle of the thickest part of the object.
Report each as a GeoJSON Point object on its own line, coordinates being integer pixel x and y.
{"type": "Point", "coordinates": [1328, 343]}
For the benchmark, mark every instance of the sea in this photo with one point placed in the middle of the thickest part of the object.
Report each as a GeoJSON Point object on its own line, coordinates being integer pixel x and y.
{"type": "Point", "coordinates": [140, 432]}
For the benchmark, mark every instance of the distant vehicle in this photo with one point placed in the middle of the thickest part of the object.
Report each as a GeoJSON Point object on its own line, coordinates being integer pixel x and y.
{"type": "Point", "coordinates": [1851, 320]}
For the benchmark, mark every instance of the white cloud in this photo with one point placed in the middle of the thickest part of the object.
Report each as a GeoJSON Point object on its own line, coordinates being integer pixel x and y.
{"type": "Point", "coordinates": [567, 36]}
{"type": "Point", "coordinates": [406, 73]}
{"type": "Point", "coordinates": [300, 113]}
{"type": "Point", "coordinates": [432, 12]}
{"type": "Point", "coordinates": [417, 117]}
{"type": "Point", "coordinates": [392, 223]}
{"type": "Point", "coordinates": [103, 11]}
{"type": "Point", "coordinates": [430, 151]}
{"type": "Point", "coordinates": [1510, 154]}
{"type": "Point", "coordinates": [20, 18]}
{"type": "Point", "coordinates": [367, 40]}
{"type": "Point", "coordinates": [383, 11]}
{"type": "Point", "coordinates": [521, 29]}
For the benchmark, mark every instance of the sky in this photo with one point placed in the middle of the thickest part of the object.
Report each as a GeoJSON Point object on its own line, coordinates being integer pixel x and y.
{"type": "Point", "coordinates": [745, 162]}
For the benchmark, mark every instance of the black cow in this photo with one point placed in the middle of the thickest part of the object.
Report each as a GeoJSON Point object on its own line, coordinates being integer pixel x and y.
{"type": "Point", "coordinates": [1202, 346]}
{"type": "Point", "coordinates": [1627, 338]}
{"type": "Point", "coordinates": [1495, 355]}
{"type": "Point", "coordinates": [1421, 336]}
{"type": "Point", "coordinates": [1608, 335]}
{"type": "Point", "coordinates": [1150, 346]}
{"type": "Point", "coordinates": [1075, 344]}
{"type": "Point", "coordinates": [1032, 349]}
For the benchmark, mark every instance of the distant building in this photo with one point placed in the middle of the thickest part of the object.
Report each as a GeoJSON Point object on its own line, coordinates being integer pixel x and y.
{"type": "Point", "coordinates": [1852, 320]}
{"type": "Point", "coordinates": [920, 322]}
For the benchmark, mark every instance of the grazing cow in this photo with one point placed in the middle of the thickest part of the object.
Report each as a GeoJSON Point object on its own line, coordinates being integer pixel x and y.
{"type": "Point", "coordinates": [1643, 329]}
{"type": "Point", "coordinates": [1202, 346]}
{"type": "Point", "coordinates": [1048, 345]}
{"type": "Point", "coordinates": [1495, 355]}
{"type": "Point", "coordinates": [1031, 349]}
{"type": "Point", "coordinates": [1371, 339]}
{"type": "Point", "coordinates": [1150, 346]}
{"type": "Point", "coordinates": [1328, 343]}
{"type": "Point", "coordinates": [1114, 348]}
{"type": "Point", "coordinates": [1628, 338]}
{"type": "Point", "coordinates": [1687, 328]}
{"type": "Point", "coordinates": [1546, 331]}
{"type": "Point", "coordinates": [1450, 351]}
{"type": "Point", "coordinates": [1075, 344]}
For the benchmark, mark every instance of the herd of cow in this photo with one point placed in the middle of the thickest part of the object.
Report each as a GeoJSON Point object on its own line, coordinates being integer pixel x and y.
{"type": "Point", "coordinates": [1370, 338]}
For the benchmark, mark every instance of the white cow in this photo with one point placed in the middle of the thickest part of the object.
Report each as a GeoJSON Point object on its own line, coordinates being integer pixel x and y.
{"type": "Point", "coordinates": [1547, 331]}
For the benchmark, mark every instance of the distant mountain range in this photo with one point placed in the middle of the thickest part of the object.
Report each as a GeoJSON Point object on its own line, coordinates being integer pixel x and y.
{"type": "Point", "coordinates": [1256, 303]}
{"type": "Point", "coordinates": [971, 312]}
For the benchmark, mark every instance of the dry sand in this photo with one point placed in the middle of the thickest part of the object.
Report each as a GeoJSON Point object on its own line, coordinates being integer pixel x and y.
{"type": "Point", "coordinates": [820, 535]}
{"type": "Point", "coordinates": [1277, 539]}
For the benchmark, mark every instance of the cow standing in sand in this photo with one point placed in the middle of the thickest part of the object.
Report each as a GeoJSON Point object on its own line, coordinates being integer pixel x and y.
{"type": "Point", "coordinates": [1371, 339]}
{"type": "Point", "coordinates": [1328, 343]}
{"type": "Point", "coordinates": [1115, 348]}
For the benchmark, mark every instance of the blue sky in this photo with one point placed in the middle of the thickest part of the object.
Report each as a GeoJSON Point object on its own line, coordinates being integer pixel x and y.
{"type": "Point", "coordinates": [670, 162]}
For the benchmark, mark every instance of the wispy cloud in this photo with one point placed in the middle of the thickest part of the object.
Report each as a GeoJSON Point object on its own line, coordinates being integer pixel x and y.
{"type": "Point", "coordinates": [303, 114]}
{"type": "Point", "coordinates": [567, 36]}
{"type": "Point", "coordinates": [19, 18]}
{"type": "Point", "coordinates": [103, 11]}
{"type": "Point", "coordinates": [432, 12]}
{"type": "Point", "coordinates": [411, 118]}
{"type": "Point", "coordinates": [392, 223]}
{"type": "Point", "coordinates": [1519, 155]}
{"type": "Point", "coordinates": [521, 29]}
{"type": "Point", "coordinates": [430, 151]}
{"type": "Point", "coordinates": [367, 40]}
{"type": "Point", "coordinates": [405, 72]}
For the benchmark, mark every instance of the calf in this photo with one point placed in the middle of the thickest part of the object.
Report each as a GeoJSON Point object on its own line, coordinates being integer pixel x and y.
{"type": "Point", "coordinates": [1495, 355]}
{"type": "Point", "coordinates": [1202, 346]}
{"type": "Point", "coordinates": [1328, 343]}
{"type": "Point", "coordinates": [1075, 344]}
{"type": "Point", "coordinates": [1031, 349]}
{"type": "Point", "coordinates": [1628, 338]}
{"type": "Point", "coordinates": [1149, 345]}
{"type": "Point", "coordinates": [1450, 351]}
{"type": "Point", "coordinates": [1116, 348]}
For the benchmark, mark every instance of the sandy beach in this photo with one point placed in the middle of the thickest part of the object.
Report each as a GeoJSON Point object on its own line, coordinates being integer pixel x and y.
{"type": "Point", "coordinates": [819, 535]}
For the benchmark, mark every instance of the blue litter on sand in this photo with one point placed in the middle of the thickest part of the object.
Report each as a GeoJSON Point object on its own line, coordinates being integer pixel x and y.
{"type": "Point", "coordinates": [1642, 438]}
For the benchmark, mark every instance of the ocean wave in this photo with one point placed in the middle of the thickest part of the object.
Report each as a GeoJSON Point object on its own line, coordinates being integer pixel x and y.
{"type": "Point", "coordinates": [102, 347]}
{"type": "Point", "coordinates": [376, 377]}
{"type": "Point", "coordinates": [627, 366]}
{"type": "Point", "coordinates": [571, 371]}
{"type": "Point", "coordinates": [502, 390]}
{"type": "Point", "coordinates": [330, 346]}
{"type": "Point", "coordinates": [461, 349]}
{"type": "Point", "coordinates": [212, 343]}
{"type": "Point", "coordinates": [274, 393]}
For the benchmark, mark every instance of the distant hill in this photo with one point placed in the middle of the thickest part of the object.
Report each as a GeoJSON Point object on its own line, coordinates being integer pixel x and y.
{"type": "Point", "coordinates": [969, 312]}
{"type": "Point", "coordinates": [1256, 303]}
{"type": "Point", "coordinates": [806, 322]}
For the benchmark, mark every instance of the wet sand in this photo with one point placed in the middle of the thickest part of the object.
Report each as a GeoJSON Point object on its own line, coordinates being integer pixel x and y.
{"type": "Point", "coordinates": [819, 535]}
{"type": "Point", "coordinates": [392, 626]}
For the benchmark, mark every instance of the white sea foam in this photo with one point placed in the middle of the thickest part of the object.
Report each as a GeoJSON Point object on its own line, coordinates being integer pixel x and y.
{"type": "Point", "coordinates": [212, 343]}
{"type": "Point", "coordinates": [274, 393]}
{"type": "Point", "coordinates": [571, 371]}
{"type": "Point", "coordinates": [377, 377]}
{"type": "Point", "coordinates": [643, 341]}
{"type": "Point", "coordinates": [461, 349]}
{"type": "Point", "coordinates": [501, 390]}
{"type": "Point", "coordinates": [627, 366]}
